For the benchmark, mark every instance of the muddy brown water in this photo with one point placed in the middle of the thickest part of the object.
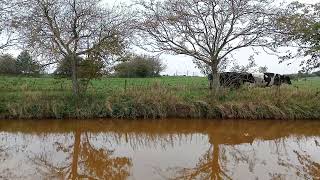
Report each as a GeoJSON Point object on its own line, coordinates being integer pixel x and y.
{"type": "Point", "coordinates": [159, 149]}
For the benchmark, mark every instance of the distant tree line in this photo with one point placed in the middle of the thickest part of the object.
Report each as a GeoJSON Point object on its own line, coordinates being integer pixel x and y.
{"type": "Point", "coordinates": [302, 74]}
{"type": "Point", "coordinates": [24, 64]}
{"type": "Point", "coordinates": [131, 65]}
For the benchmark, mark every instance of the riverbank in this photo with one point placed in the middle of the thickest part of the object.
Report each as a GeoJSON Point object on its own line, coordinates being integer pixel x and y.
{"type": "Point", "coordinates": [38, 98]}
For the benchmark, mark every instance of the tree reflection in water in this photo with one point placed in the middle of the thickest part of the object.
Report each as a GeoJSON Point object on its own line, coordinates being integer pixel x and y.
{"type": "Point", "coordinates": [308, 166]}
{"type": "Point", "coordinates": [84, 161]}
{"type": "Point", "coordinates": [3, 156]}
{"type": "Point", "coordinates": [175, 149]}
{"type": "Point", "coordinates": [221, 160]}
{"type": "Point", "coordinates": [206, 168]}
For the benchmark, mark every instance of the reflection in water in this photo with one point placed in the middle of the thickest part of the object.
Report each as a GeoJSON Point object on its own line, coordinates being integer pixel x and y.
{"type": "Point", "coordinates": [258, 160]}
{"type": "Point", "coordinates": [82, 160]}
{"type": "Point", "coordinates": [207, 167]}
{"type": "Point", "coordinates": [165, 149]}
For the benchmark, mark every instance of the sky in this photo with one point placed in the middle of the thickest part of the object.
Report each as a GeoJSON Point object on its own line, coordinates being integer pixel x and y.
{"type": "Point", "coordinates": [183, 65]}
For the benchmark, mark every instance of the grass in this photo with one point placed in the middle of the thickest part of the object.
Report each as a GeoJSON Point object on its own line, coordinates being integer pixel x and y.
{"type": "Point", "coordinates": [312, 82]}
{"type": "Point", "coordinates": [184, 97]}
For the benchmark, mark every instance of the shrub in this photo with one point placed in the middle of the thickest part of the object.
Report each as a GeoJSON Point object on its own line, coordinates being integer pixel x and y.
{"type": "Point", "coordinates": [8, 65]}
{"type": "Point", "coordinates": [139, 66]}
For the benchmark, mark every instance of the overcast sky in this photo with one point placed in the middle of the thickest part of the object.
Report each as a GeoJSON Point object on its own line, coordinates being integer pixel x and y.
{"type": "Point", "coordinates": [183, 65]}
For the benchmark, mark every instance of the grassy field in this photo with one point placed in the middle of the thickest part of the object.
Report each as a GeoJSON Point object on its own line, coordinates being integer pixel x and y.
{"type": "Point", "coordinates": [187, 97]}
{"type": "Point", "coordinates": [183, 86]}
{"type": "Point", "coordinates": [102, 84]}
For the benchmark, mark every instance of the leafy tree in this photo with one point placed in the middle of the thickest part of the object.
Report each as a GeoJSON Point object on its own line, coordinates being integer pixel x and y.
{"type": "Point", "coordinates": [299, 26]}
{"type": "Point", "coordinates": [209, 31]}
{"type": "Point", "coordinates": [27, 65]}
{"type": "Point", "coordinates": [62, 29]}
{"type": "Point", "coordinates": [139, 66]}
{"type": "Point", "coordinates": [8, 65]}
{"type": "Point", "coordinates": [88, 69]}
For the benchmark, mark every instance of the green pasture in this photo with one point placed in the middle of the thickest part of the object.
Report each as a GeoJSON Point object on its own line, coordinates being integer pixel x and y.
{"type": "Point", "coordinates": [311, 82]}
{"type": "Point", "coordinates": [103, 84]}
{"type": "Point", "coordinates": [18, 84]}
{"type": "Point", "coordinates": [188, 88]}
{"type": "Point", "coordinates": [48, 97]}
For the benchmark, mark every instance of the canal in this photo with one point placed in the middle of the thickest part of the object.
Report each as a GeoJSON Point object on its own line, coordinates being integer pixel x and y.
{"type": "Point", "coordinates": [159, 149]}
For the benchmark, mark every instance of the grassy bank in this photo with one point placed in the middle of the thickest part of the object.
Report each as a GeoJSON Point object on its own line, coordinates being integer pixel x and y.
{"type": "Point", "coordinates": [183, 97]}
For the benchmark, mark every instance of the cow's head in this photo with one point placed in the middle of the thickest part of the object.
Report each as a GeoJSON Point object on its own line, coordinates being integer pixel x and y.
{"type": "Point", "coordinates": [285, 79]}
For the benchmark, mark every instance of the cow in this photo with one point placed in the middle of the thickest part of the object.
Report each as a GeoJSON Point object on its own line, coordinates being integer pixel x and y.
{"type": "Point", "coordinates": [235, 79]}
{"type": "Point", "coordinates": [285, 79]}
{"type": "Point", "coordinates": [232, 79]}
{"type": "Point", "coordinates": [259, 80]}
{"type": "Point", "coordinates": [271, 79]}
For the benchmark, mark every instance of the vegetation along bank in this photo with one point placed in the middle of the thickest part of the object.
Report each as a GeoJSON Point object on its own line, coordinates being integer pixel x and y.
{"type": "Point", "coordinates": [161, 97]}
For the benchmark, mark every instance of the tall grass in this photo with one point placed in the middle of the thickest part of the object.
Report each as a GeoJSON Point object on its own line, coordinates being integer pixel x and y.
{"type": "Point", "coordinates": [159, 98]}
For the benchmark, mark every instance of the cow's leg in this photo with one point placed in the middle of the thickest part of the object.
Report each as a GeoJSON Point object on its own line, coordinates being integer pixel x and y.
{"type": "Point", "coordinates": [272, 81]}
{"type": "Point", "coordinates": [268, 83]}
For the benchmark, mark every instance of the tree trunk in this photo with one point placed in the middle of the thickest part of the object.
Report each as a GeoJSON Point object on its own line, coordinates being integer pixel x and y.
{"type": "Point", "coordinates": [216, 170]}
{"type": "Point", "coordinates": [75, 157]}
{"type": "Point", "coordinates": [215, 82]}
{"type": "Point", "coordinates": [74, 76]}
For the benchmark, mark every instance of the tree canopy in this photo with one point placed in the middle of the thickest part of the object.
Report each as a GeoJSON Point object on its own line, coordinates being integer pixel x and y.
{"type": "Point", "coordinates": [299, 26]}
{"type": "Point", "coordinates": [6, 33]}
{"type": "Point", "coordinates": [60, 29]}
{"type": "Point", "coordinates": [209, 31]}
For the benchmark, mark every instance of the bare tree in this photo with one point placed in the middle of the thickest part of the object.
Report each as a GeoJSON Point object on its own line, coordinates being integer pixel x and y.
{"type": "Point", "coordinates": [2, 21]}
{"type": "Point", "coordinates": [250, 67]}
{"type": "Point", "coordinates": [6, 23]}
{"type": "Point", "coordinates": [207, 30]}
{"type": "Point", "coordinates": [67, 29]}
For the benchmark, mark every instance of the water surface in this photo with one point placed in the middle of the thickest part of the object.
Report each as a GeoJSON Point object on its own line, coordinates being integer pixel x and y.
{"type": "Point", "coordinates": [159, 149]}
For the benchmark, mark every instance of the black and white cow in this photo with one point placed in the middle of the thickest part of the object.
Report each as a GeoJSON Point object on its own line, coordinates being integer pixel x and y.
{"type": "Point", "coordinates": [285, 79]}
{"type": "Point", "coordinates": [233, 79]}
{"type": "Point", "coordinates": [259, 80]}
{"type": "Point", "coordinates": [271, 79]}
